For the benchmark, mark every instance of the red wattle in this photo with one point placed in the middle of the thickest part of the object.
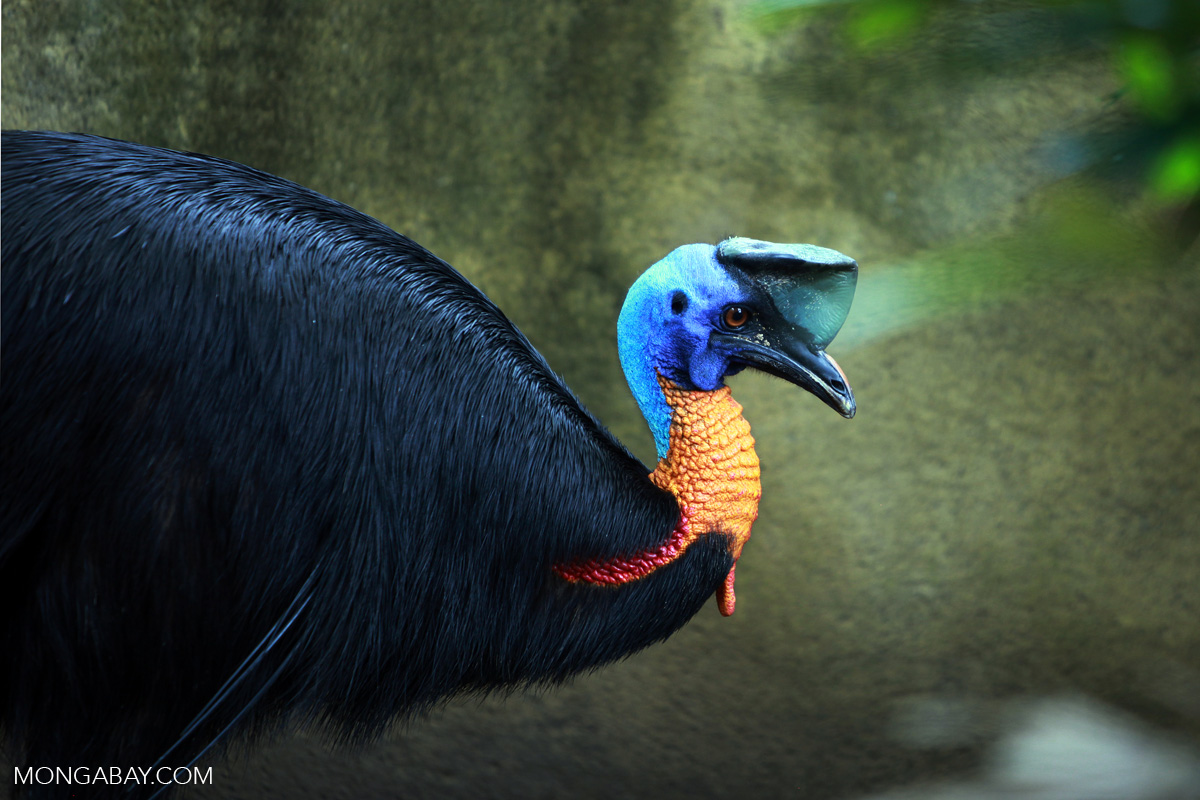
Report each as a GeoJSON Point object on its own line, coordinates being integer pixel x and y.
{"type": "Point", "coordinates": [622, 569]}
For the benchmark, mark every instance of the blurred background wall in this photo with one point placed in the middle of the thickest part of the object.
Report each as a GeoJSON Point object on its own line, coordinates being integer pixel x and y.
{"type": "Point", "coordinates": [1015, 512]}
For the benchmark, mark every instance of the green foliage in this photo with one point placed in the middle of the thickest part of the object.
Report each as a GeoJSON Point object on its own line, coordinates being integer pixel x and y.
{"type": "Point", "coordinates": [868, 23]}
{"type": "Point", "coordinates": [1153, 47]}
{"type": "Point", "coordinates": [877, 22]}
{"type": "Point", "coordinates": [1175, 175]}
{"type": "Point", "coordinates": [1149, 69]}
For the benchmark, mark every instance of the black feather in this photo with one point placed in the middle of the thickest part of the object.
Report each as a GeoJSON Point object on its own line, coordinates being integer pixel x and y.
{"type": "Point", "coordinates": [260, 451]}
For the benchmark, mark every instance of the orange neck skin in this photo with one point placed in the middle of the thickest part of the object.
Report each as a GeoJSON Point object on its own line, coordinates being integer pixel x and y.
{"type": "Point", "coordinates": [712, 470]}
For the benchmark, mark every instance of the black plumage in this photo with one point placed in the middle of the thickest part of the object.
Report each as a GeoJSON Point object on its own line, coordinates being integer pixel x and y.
{"type": "Point", "coordinates": [261, 454]}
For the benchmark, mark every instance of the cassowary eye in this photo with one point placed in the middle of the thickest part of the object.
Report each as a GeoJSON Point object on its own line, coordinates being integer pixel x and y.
{"type": "Point", "coordinates": [735, 317]}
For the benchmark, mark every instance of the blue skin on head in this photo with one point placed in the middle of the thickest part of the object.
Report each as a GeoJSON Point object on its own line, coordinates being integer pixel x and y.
{"type": "Point", "coordinates": [660, 333]}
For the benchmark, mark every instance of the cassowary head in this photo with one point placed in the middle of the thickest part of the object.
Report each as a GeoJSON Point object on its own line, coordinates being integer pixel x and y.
{"type": "Point", "coordinates": [704, 312]}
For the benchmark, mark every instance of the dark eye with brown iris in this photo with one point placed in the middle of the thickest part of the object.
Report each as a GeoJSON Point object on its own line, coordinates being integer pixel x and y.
{"type": "Point", "coordinates": [735, 317]}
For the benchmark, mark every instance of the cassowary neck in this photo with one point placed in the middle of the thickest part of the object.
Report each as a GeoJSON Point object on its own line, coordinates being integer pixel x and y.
{"type": "Point", "coordinates": [712, 469]}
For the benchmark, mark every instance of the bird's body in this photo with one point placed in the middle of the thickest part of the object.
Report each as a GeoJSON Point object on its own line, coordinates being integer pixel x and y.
{"type": "Point", "coordinates": [262, 455]}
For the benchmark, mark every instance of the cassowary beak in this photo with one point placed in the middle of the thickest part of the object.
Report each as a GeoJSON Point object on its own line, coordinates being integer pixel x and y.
{"type": "Point", "coordinates": [799, 363]}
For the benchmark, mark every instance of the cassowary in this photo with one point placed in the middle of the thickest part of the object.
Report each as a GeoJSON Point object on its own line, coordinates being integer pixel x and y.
{"type": "Point", "coordinates": [264, 456]}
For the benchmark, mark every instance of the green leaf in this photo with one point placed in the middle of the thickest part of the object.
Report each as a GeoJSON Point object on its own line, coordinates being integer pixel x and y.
{"type": "Point", "coordinates": [1175, 175]}
{"type": "Point", "coordinates": [774, 16]}
{"type": "Point", "coordinates": [1148, 69]}
{"type": "Point", "coordinates": [883, 21]}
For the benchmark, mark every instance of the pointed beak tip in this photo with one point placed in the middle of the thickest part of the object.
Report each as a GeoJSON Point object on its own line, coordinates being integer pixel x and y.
{"type": "Point", "coordinates": [849, 405]}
